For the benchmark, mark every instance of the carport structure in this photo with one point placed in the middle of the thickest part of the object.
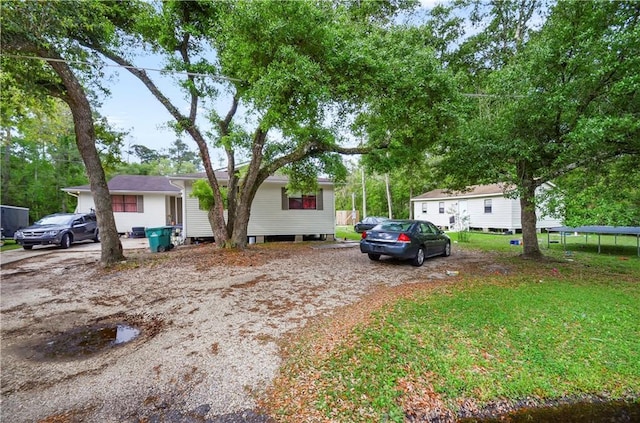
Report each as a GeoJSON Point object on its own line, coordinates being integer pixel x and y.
{"type": "Point", "coordinates": [598, 230]}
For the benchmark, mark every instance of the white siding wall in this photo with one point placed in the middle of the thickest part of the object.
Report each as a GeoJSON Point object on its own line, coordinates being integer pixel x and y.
{"type": "Point", "coordinates": [545, 221]}
{"type": "Point", "coordinates": [433, 214]}
{"type": "Point", "coordinates": [196, 220]}
{"type": "Point", "coordinates": [267, 216]}
{"type": "Point", "coordinates": [154, 212]}
{"type": "Point", "coordinates": [516, 216]}
{"type": "Point", "coordinates": [85, 203]}
{"type": "Point", "coordinates": [500, 216]}
{"type": "Point", "coordinates": [505, 213]}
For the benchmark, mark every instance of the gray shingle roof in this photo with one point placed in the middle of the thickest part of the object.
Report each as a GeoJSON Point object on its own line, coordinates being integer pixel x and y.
{"type": "Point", "coordinates": [223, 176]}
{"type": "Point", "coordinates": [134, 183]}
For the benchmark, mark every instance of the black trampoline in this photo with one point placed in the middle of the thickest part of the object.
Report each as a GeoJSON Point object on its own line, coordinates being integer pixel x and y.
{"type": "Point", "coordinates": [597, 230]}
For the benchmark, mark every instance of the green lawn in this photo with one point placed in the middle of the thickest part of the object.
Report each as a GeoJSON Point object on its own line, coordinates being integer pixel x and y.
{"type": "Point", "coordinates": [9, 244]}
{"type": "Point", "coordinates": [346, 233]}
{"type": "Point", "coordinates": [568, 327]}
{"type": "Point", "coordinates": [609, 244]}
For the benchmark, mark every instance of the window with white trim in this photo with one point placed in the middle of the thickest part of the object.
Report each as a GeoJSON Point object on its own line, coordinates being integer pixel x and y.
{"type": "Point", "coordinates": [127, 203]}
{"type": "Point", "coordinates": [487, 206]}
{"type": "Point", "coordinates": [301, 201]}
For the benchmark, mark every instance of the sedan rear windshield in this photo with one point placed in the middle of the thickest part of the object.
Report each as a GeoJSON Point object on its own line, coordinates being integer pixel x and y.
{"type": "Point", "coordinates": [394, 226]}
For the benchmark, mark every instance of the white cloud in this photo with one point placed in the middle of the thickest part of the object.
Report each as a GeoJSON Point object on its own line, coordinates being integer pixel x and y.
{"type": "Point", "coordinates": [429, 4]}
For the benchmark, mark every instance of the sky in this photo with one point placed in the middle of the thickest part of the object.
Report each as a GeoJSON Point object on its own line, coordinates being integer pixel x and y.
{"type": "Point", "coordinates": [132, 108]}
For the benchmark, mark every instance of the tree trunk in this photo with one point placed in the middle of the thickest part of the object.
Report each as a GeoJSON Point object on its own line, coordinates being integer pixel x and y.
{"type": "Point", "coordinates": [531, 249]}
{"type": "Point", "coordinates": [240, 227]}
{"type": "Point", "coordinates": [216, 213]}
{"type": "Point", "coordinates": [85, 140]}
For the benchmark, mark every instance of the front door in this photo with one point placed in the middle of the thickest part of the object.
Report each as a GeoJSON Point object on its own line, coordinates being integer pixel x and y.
{"type": "Point", "coordinates": [174, 211]}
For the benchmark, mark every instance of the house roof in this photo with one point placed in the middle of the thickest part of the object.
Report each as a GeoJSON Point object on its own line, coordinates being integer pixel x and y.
{"type": "Point", "coordinates": [162, 184]}
{"type": "Point", "coordinates": [223, 176]}
{"type": "Point", "coordinates": [133, 183]}
{"type": "Point", "coordinates": [472, 191]}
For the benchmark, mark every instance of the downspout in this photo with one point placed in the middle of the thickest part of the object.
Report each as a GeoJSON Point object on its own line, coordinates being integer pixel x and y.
{"type": "Point", "coordinates": [76, 196]}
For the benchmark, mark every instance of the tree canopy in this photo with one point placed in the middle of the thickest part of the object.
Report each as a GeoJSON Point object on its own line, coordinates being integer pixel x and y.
{"type": "Point", "coordinates": [566, 100]}
{"type": "Point", "coordinates": [40, 37]}
{"type": "Point", "coordinates": [306, 75]}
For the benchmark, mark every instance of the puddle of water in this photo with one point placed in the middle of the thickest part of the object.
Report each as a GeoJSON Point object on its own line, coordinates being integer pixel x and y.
{"type": "Point", "coordinates": [125, 334]}
{"type": "Point", "coordinates": [590, 412]}
{"type": "Point", "coordinates": [82, 342]}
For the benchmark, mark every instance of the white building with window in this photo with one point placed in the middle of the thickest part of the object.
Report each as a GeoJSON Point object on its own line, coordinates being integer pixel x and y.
{"type": "Point", "coordinates": [275, 212]}
{"type": "Point", "coordinates": [153, 201]}
{"type": "Point", "coordinates": [138, 201]}
{"type": "Point", "coordinates": [480, 207]}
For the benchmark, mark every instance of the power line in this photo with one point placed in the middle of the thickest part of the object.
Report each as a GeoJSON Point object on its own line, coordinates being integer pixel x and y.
{"type": "Point", "coordinates": [493, 95]}
{"type": "Point", "coordinates": [80, 62]}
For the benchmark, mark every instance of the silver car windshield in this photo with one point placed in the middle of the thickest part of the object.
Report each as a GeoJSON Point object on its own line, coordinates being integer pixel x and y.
{"type": "Point", "coordinates": [54, 220]}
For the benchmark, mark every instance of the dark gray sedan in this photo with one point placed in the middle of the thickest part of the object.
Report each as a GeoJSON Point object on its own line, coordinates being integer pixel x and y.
{"type": "Point", "coordinates": [368, 223]}
{"type": "Point", "coordinates": [405, 239]}
{"type": "Point", "coordinates": [61, 229]}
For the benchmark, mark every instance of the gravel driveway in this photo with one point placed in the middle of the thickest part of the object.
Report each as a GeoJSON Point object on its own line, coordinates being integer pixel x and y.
{"type": "Point", "coordinates": [211, 322]}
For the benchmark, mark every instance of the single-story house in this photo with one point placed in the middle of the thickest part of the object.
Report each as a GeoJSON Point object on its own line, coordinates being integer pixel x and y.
{"type": "Point", "coordinates": [275, 212]}
{"type": "Point", "coordinates": [480, 207]}
{"type": "Point", "coordinates": [137, 201]}
{"type": "Point", "coordinates": [152, 201]}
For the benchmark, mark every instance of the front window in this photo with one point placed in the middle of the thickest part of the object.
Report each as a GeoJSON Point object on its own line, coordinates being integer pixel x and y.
{"type": "Point", "coordinates": [127, 203]}
{"type": "Point", "coordinates": [487, 206]}
{"type": "Point", "coordinates": [301, 201]}
{"type": "Point", "coordinates": [441, 207]}
{"type": "Point", "coordinates": [424, 207]}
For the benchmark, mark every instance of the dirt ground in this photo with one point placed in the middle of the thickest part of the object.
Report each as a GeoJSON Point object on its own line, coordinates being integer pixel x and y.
{"type": "Point", "coordinates": [211, 324]}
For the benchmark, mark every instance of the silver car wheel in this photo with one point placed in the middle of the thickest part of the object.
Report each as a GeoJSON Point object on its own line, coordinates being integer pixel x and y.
{"type": "Point", "coordinates": [447, 250]}
{"type": "Point", "coordinates": [65, 242]}
{"type": "Point", "coordinates": [419, 259]}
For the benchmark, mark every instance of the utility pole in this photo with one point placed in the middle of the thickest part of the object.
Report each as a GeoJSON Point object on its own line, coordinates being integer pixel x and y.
{"type": "Point", "coordinates": [388, 186]}
{"type": "Point", "coordinates": [353, 208]}
{"type": "Point", "coordinates": [364, 195]}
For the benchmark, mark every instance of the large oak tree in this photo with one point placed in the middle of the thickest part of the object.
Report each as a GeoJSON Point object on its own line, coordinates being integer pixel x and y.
{"type": "Point", "coordinates": [300, 72]}
{"type": "Point", "coordinates": [45, 31]}
{"type": "Point", "coordinates": [565, 99]}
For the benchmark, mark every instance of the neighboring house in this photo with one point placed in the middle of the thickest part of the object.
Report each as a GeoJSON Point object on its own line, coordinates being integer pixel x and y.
{"type": "Point", "coordinates": [137, 201]}
{"type": "Point", "coordinates": [275, 213]}
{"type": "Point", "coordinates": [481, 207]}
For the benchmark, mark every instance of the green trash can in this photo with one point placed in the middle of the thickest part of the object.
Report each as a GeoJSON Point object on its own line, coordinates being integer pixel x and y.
{"type": "Point", "coordinates": [159, 238]}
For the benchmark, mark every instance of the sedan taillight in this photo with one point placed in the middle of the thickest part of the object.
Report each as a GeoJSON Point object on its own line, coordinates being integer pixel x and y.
{"type": "Point", "coordinates": [404, 238]}
{"type": "Point", "coordinates": [364, 235]}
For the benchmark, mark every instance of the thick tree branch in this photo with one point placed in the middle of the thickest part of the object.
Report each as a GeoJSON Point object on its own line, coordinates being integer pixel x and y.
{"type": "Point", "coordinates": [313, 149]}
{"type": "Point", "coordinates": [181, 119]}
